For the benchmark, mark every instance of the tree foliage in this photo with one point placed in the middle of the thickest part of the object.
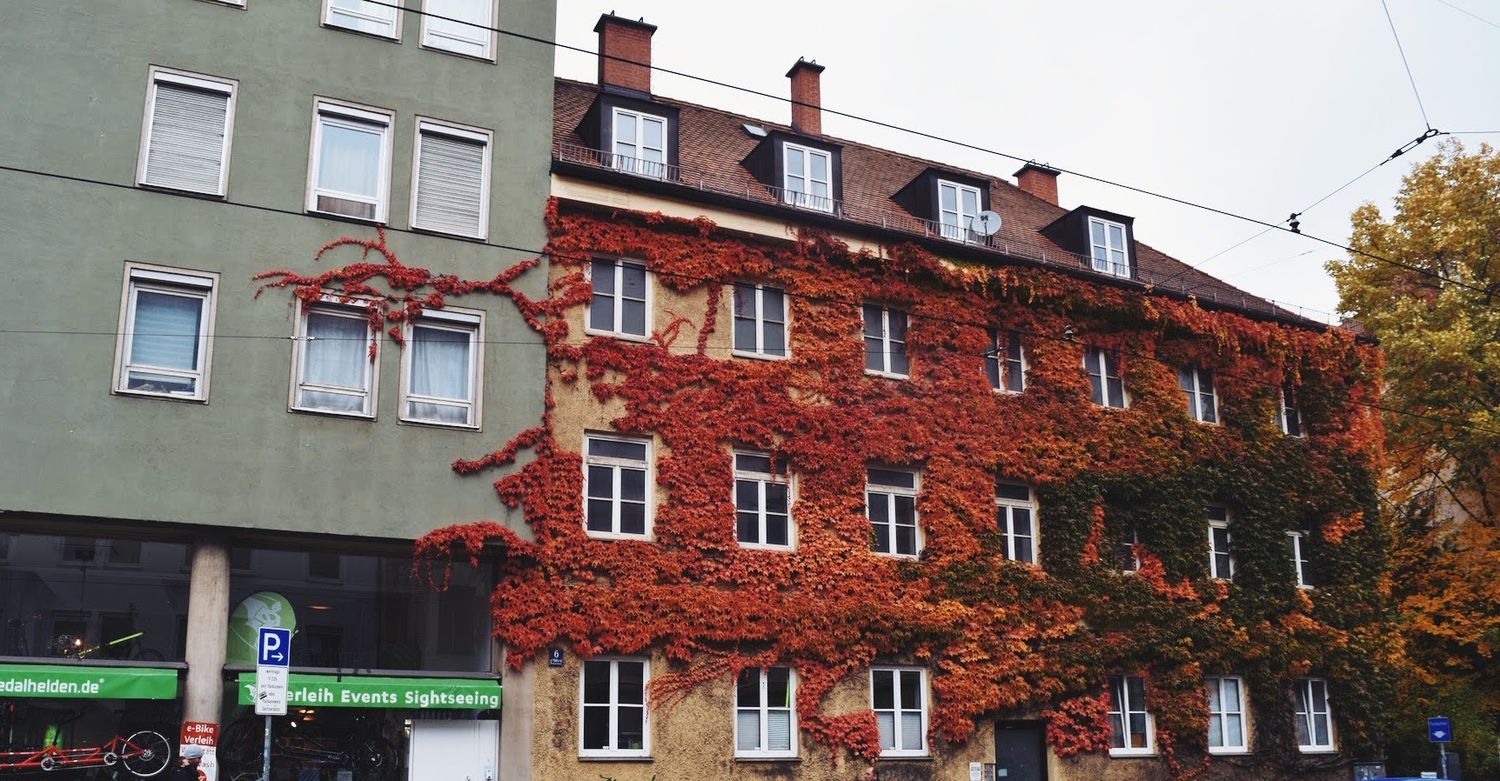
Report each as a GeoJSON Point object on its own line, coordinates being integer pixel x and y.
{"type": "Point", "coordinates": [1441, 339]}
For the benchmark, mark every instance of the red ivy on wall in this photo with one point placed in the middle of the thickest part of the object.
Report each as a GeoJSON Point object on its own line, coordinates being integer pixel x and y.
{"type": "Point", "coordinates": [999, 637]}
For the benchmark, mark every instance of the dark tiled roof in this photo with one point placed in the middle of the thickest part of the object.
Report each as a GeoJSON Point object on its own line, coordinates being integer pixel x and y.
{"type": "Point", "coordinates": [712, 143]}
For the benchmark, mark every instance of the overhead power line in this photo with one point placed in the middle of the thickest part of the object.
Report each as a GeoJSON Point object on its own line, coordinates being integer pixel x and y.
{"type": "Point", "coordinates": [1405, 64]}
{"type": "Point", "coordinates": [1470, 13]}
{"type": "Point", "coordinates": [930, 136]}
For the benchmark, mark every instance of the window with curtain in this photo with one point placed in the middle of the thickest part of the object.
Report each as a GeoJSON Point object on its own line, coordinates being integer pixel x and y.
{"type": "Point", "coordinates": [459, 26]}
{"type": "Point", "coordinates": [350, 162]}
{"type": "Point", "coordinates": [442, 370]}
{"type": "Point", "coordinates": [900, 703]}
{"type": "Point", "coordinates": [335, 371]}
{"type": "Point", "coordinates": [1226, 715]}
{"type": "Point", "coordinates": [186, 143]}
{"type": "Point", "coordinates": [165, 345]}
{"type": "Point", "coordinates": [451, 180]}
{"type": "Point", "coordinates": [363, 16]}
{"type": "Point", "coordinates": [765, 713]}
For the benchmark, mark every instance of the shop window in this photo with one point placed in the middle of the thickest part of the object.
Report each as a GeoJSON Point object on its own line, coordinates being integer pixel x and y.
{"type": "Point", "coordinates": [125, 553]}
{"type": "Point", "coordinates": [79, 549]}
{"type": "Point", "coordinates": [363, 611]}
{"type": "Point", "coordinates": [4, 546]}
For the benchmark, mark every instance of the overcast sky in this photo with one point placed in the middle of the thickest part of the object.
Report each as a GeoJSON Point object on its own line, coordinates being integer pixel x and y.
{"type": "Point", "coordinates": [1256, 108]}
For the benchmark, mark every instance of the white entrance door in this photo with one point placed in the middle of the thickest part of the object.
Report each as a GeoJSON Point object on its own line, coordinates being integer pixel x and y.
{"type": "Point", "coordinates": [454, 750]}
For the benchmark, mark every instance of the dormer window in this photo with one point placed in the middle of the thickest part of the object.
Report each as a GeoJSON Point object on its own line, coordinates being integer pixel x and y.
{"type": "Point", "coordinates": [958, 205]}
{"type": "Point", "coordinates": [1107, 247]}
{"type": "Point", "coordinates": [807, 177]}
{"type": "Point", "coordinates": [640, 144]}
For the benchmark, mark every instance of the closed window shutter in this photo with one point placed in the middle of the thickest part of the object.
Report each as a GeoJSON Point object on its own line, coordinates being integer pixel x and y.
{"type": "Point", "coordinates": [450, 185]}
{"type": "Point", "coordinates": [186, 148]}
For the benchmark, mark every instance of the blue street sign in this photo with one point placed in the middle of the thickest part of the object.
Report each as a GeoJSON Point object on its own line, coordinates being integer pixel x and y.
{"type": "Point", "coordinates": [274, 647]}
{"type": "Point", "coordinates": [1439, 730]}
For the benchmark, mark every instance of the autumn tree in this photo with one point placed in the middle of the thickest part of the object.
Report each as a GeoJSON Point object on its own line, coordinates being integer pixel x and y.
{"type": "Point", "coordinates": [1426, 283]}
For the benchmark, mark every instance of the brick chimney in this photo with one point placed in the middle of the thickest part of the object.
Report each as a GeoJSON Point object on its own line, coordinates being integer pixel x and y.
{"type": "Point", "coordinates": [1039, 180]}
{"type": "Point", "coordinates": [624, 52]}
{"type": "Point", "coordinates": [807, 97]}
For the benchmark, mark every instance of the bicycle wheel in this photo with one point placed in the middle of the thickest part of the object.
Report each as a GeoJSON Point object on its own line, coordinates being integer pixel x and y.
{"type": "Point", "coordinates": [240, 746]}
{"type": "Point", "coordinates": [146, 753]}
{"type": "Point", "coordinates": [374, 759]}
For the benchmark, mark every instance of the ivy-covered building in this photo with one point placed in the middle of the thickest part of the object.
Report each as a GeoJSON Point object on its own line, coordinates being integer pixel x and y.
{"type": "Point", "coordinates": [855, 461]}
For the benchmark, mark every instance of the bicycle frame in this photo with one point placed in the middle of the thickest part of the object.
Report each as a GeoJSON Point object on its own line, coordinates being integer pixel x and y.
{"type": "Point", "coordinates": [116, 749]}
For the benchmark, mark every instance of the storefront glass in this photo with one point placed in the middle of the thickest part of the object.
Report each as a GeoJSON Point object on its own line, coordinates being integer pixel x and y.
{"type": "Point", "coordinates": [360, 612]}
{"type": "Point", "coordinates": [85, 598]}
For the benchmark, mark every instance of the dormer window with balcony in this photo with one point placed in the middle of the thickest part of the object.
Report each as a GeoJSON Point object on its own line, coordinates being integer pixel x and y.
{"type": "Point", "coordinates": [630, 134]}
{"type": "Point", "coordinates": [798, 171]}
{"type": "Point", "coordinates": [947, 203]}
{"type": "Point", "coordinates": [1104, 241]}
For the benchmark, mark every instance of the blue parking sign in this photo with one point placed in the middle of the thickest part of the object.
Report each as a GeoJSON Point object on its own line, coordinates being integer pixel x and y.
{"type": "Point", "coordinates": [1439, 730]}
{"type": "Point", "coordinates": [274, 648]}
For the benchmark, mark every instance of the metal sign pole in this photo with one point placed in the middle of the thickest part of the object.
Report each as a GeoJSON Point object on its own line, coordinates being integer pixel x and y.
{"type": "Point", "coordinates": [265, 757]}
{"type": "Point", "coordinates": [1442, 760]}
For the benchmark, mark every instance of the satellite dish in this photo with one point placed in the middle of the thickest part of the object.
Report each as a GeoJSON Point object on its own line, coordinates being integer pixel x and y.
{"type": "Point", "coordinates": [986, 223]}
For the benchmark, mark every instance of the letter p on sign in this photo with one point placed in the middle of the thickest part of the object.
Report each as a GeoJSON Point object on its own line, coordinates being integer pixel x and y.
{"type": "Point", "coordinates": [274, 648]}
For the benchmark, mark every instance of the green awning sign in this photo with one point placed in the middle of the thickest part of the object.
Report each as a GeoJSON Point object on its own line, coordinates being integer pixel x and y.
{"type": "Point", "coordinates": [368, 691]}
{"type": "Point", "coordinates": [86, 683]}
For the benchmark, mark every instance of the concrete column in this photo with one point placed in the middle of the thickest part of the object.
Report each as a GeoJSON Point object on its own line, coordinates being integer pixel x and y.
{"type": "Point", "coordinates": [516, 715]}
{"type": "Point", "coordinates": [207, 631]}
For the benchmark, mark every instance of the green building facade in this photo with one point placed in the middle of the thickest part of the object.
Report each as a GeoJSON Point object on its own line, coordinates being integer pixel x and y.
{"type": "Point", "coordinates": [173, 448]}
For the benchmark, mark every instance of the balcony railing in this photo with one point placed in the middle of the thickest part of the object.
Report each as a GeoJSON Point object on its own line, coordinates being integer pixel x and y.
{"type": "Point", "coordinates": [1006, 241]}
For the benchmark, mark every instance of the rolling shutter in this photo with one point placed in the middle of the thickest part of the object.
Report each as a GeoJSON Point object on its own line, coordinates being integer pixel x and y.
{"type": "Point", "coordinates": [450, 184]}
{"type": "Point", "coordinates": [186, 148]}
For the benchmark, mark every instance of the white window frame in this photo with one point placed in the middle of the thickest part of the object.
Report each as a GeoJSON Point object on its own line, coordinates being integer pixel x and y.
{"type": "Point", "coordinates": [427, 39]}
{"type": "Point", "coordinates": [466, 321]}
{"type": "Point", "coordinates": [759, 318]}
{"type": "Point", "coordinates": [924, 709]}
{"type": "Point", "coordinates": [616, 465]}
{"type": "Point", "coordinates": [1225, 713]}
{"type": "Point", "coordinates": [338, 307]}
{"type": "Point", "coordinates": [1304, 692]}
{"type": "Point", "coordinates": [804, 199]}
{"type": "Point", "coordinates": [229, 87]}
{"type": "Point", "coordinates": [1282, 419]}
{"type": "Point", "coordinates": [1106, 359]}
{"type": "Point", "coordinates": [1134, 542]}
{"type": "Point", "coordinates": [762, 479]}
{"type": "Point", "coordinates": [396, 15]}
{"type": "Point", "coordinates": [350, 113]}
{"type": "Point", "coordinates": [1108, 247]}
{"type": "Point", "coordinates": [1000, 341]}
{"type": "Point", "coordinates": [637, 164]}
{"type": "Point", "coordinates": [763, 711]}
{"type": "Point", "coordinates": [614, 708]}
{"type": "Point", "coordinates": [1008, 533]}
{"type": "Point", "coordinates": [1196, 396]}
{"type": "Point", "coordinates": [890, 493]}
{"type": "Point", "coordinates": [1125, 709]}
{"type": "Point", "coordinates": [886, 341]}
{"type": "Point", "coordinates": [1299, 560]}
{"type": "Point", "coordinates": [588, 310]}
{"type": "Point", "coordinates": [465, 133]}
{"type": "Point", "coordinates": [194, 284]}
{"type": "Point", "coordinates": [962, 231]}
{"type": "Point", "coordinates": [1213, 550]}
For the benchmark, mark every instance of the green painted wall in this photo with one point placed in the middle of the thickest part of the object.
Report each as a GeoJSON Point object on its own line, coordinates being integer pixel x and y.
{"type": "Point", "coordinates": [73, 80]}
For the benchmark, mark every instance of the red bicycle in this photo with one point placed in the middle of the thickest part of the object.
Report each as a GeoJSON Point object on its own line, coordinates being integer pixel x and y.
{"type": "Point", "coordinates": [144, 754]}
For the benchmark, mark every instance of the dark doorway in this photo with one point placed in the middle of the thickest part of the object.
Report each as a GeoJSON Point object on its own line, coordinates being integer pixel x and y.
{"type": "Point", "coordinates": [1020, 751]}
